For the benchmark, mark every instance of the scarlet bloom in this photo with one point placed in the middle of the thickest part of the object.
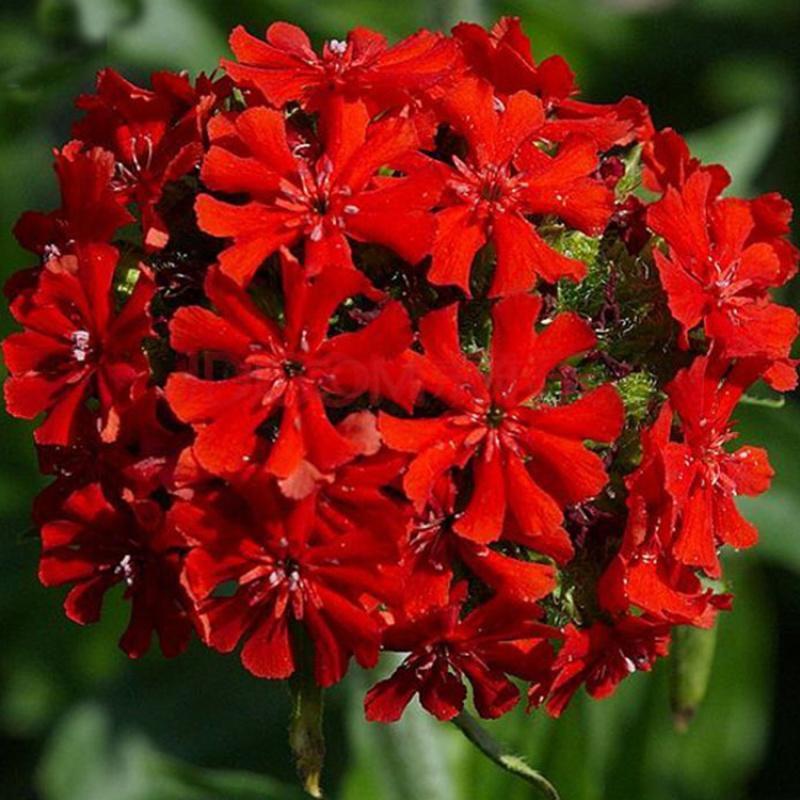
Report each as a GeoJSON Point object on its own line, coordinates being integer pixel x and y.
{"type": "Point", "coordinates": [96, 545]}
{"type": "Point", "coordinates": [139, 461]}
{"type": "Point", "coordinates": [319, 199]}
{"type": "Point", "coordinates": [666, 162]}
{"type": "Point", "coordinates": [502, 56]}
{"type": "Point", "coordinates": [434, 551]}
{"type": "Point", "coordinates": [355, 497]}
{"type": "Point", "coordinates": [528, 461]}
{"type": "Point", "coordinates": [76, 346]}
{"type": "Point", "coordinates": [446, 646]}
{"type": "Point", "coordinates": [701, 474]}
{"type": "Point", "coordinates": [645, 573]}
{"type": "Point", "coordinates": [284, 67]}
{"type": "Point", "coordinates": [600, 657]}
{"type": "Point", "coordinates": [505, 177]}
{"type": "Point", "coordinates": [156, 135]}
{"type": "Point", "coordinates": [284, 375]}
{"type": "Point", "coordinates": [286, 430]}
{"type": "Point", "coordinates": [91, 211]}
{"type": "Point", "coordinates": [285, 573]}
{"type": "Point", "coordinates": [721, 261]}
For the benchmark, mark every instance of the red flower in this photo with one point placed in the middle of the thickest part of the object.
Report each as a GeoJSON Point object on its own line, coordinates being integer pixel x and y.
{"type": "Point", "coordinates": [91, 211]}
{"type": "Point", "coordinates": [504, 178]}
{"type": "Point", "coordinates": [607, 125]}
{"type": "Point", "coordinates": [137, 463]}
{"type": "Point", "coordinates": [76, 346]}
{"type": "Point", "coordinates": [722, 260]}
{"type": "Point", "coordinates": [701, 474]}
{"type": "Point", "coordinates": [284, 573]}
{"type": "Point", "coordinates": [286, 374]}
{"type": "Point", "coordinates": [96, 545]}
{"type": "Point", "coordinates": [317, 200]}
{"type": "Point", "coordinates": [435, 551]}
{"type": "Point", "coordinates": [645, 573]}
{"type": "Point", "coordinates": [503, 57]}
{"type": "Point", "coordinates": [666, 161]}
{"type": "Point", "coordinates": [528, 461]}
{"type": "Point", "coordinates": [285, 68]}
{"type": "Point", "coordinates": [156, 135]}
{"type": "Point", "coordinates": [355, 497]}
{"type": "Point", "coordinates": [600, 656]}
{"type": "Point", "coordinates": [293, 437]}
{"type": "Point", "coordinates": [446, 647]}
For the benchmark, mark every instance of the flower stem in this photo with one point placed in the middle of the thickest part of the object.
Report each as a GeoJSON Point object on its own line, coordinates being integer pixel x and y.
{"type": "Point", "coordinates": [763, 402]}
{"type": "Point", "coordinates": [493, 750]}
{"type": "Point", "coordinates": [305, 731]}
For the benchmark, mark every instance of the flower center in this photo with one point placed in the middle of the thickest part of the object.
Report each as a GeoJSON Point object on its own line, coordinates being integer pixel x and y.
{"type": "Point", "coordinates": [495, 417]}
{"type": "Point", "coordinates": [293, 369]}
{"type": "Point", "coordinates": [126, 569]}
{"type": "Point", "coordinates": [492, 190]}
{"type": "Point", "coordinates": [81, 345]}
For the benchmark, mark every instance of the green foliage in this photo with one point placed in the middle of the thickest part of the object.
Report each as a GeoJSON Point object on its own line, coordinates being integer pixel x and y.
{"type": "Point", "coordinates": [775, 513]}
{"type": "Point", "coordinates": [86, 20]}
{"type": "Point", "coordinates": [632, 177]}
{"type": "Point", "coordinates": [87, 759]}
{"type": "Point", "coordinates": [414, 759]}
{"type": "Point", "coordinates": [742, 144]}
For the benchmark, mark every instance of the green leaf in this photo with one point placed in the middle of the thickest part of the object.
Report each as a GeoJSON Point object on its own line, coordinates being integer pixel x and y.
{"type": "Point", "coordinates": [742, 143]}
{"type": "Point", "coordinates": [450, 12]}
{"type": "Point", "coordinates": [88, 21]}
{"type": "Point", "coordinates": [171, 35]}
{"type": "Point", "coordinates": [406, 760]}
{"type": "Point", "coordinates": [651, 761]}
{"type": "Point", "coordinates": [86, 759]}
{"type": "Point", "coordinates": [775, 513]}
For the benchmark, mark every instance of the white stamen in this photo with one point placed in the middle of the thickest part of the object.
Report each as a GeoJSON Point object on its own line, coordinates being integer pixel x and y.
{"type": "Point", "coordinates": [80, 345]}
{"type": "Point", "coordinates": [125, 568]}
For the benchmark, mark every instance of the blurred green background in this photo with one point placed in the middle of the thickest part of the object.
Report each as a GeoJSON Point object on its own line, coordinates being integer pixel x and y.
{"type": "Point", "coordinates": [80, 722]}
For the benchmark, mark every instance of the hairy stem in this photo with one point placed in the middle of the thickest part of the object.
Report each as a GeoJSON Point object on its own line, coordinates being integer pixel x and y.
{"type": "Point", "coordinates": [493, 750]}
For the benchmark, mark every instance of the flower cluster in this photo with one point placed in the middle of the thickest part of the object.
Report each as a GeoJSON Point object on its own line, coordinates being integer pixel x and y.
{"type": "Point", "coordinates": [395, 348]}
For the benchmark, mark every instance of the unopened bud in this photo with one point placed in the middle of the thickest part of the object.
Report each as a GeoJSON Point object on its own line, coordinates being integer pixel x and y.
{"type": "Point", "coordinates": [690, 669]}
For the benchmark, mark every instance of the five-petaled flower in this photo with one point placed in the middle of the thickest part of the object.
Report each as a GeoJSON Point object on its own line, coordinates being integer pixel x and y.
{"type": "Point", "coordinates": [528, 461]}
{"type": "Point", "coordinates": [285, 573]}
{"type": "Point", "coordinates": [445, 646]}
{"type": "Point", "coordinates": [721, 262]}
{"type": "Point", "coordinates": [284, 67]}
{"type": "Point", "coordinates": [77, 347]}
{"type": "Point", "coordinates": [97, 545]}
{"type": "Point", "coordinates": [506, 177]}
{"type": "Point", "coordinates": [320, 198]}
{"type": "Point", "coordinates": [285, 374]}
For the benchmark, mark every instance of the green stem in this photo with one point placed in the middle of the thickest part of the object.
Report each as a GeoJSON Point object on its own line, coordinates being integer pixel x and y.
{"type": "Point", "coordinates": [511, 763]}
{"type": "Point", "coordinates": [305, 730]}
{"type": "Point", "coordinates": [762, 402]}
